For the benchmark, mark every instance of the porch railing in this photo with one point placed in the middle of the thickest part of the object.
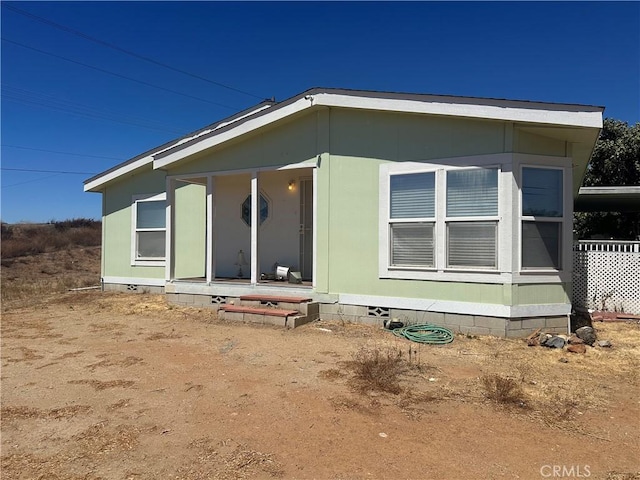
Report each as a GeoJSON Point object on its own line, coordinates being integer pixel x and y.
{"type": "Point", "coordinates": [606, 275]}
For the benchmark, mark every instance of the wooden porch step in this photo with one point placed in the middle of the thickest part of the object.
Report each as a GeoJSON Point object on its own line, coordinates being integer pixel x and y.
{"type": "Point", "coordinates": [275, 312]}
{"type": "Point", "coordinates": [275, 299]}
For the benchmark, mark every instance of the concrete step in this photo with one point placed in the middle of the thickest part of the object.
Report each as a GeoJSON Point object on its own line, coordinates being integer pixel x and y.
{"type": "Point", "coordinates": [271, 316]}
{"type": "Point", "coordinates": [275, 298]}
{"type": "Point", "coordinates": [304, 305]}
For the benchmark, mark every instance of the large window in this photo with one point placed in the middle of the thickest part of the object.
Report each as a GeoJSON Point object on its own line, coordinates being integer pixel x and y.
{"type": "Point", "coordinates": [412, 219]}
{"type": "Point", "coordinates": [542, 218]}
{"type": "Point", "coordinates": [472, 218]}
{"type": "Point", "coordinates": [149, 229]}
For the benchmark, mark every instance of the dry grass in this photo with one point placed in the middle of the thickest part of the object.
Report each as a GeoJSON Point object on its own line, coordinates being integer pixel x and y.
{"type": "Point", "coordinates": [41, 260]}
{"type": "Point", "coordinates": [503, 390]}
{"type": "Point", "coordinates": [378, 369]}
{"type": "Point", "coordinates": [99, 385]}
{"type": "Point", "coordinates": [30, 239]}
{"type": "Point", "coordinates": [22, 412]}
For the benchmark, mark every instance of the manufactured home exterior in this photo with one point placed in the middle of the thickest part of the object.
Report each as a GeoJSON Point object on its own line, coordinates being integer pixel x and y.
{"type": "Point", "coordinates": [449, 210]}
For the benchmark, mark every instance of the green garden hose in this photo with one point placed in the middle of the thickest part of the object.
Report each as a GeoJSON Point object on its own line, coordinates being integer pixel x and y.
{"type": "Point", "coordinates": [425, 333]}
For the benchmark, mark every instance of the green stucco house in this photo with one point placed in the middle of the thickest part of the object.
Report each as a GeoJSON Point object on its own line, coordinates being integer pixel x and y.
{"type": "Point", "coordinates": [449, 210]}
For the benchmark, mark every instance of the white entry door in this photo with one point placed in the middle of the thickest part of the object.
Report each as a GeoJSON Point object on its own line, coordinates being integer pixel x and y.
{"type": "Point", "coordinates": [306, 228]}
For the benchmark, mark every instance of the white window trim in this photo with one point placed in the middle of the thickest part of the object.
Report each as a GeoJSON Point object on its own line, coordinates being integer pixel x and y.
{"type": "Point", "coordinates": [136, 261]}
{"type": "Point", "coordinates": [567, 212]}
{"type": "Point", "coordinates": [440, 272]}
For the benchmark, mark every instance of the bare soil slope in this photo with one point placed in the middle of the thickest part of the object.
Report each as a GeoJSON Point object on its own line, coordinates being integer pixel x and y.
{"type": "Point", "coordinates": [115, 386]}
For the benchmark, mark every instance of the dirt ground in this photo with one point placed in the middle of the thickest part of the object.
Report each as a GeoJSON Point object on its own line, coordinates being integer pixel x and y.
{"type": "Point", "coordinates": [116, 386]}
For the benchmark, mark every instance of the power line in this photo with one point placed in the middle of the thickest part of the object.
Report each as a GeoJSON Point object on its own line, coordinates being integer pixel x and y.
{"type": "Point", "coordinates": [42, 100]}
{"type": "Point", "coordinates": [61, 153]}
{"type": "Point", "coordinates": [141, 82]}
{"type": "Point", "coordinates": [122, 50]}
{"type": "Point", "coordinates": [30, 181]}
{"type": "Point", "coordinates": [46, 171]}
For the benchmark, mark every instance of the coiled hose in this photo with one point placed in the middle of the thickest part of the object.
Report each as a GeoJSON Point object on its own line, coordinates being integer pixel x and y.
{"type": "Point", "coordinates": [425, 333]}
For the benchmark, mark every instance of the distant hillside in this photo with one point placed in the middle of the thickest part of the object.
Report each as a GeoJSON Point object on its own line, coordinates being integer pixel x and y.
{"type": "Point", "coordinates": [40, 260]}
{"type": "Point", "coordinates": [22, 239]}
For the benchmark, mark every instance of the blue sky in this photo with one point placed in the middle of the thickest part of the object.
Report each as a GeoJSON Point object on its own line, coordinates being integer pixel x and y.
{"type": "Point", "coordinates": [61, 116]}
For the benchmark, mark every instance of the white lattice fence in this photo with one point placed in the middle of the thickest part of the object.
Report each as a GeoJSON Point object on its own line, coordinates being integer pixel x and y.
{"type": "Point", "coordinates": [606, 275]}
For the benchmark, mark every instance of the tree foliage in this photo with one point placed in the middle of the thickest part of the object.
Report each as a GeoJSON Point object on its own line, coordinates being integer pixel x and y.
{"type": "Point", "coordinates": [615, 162]}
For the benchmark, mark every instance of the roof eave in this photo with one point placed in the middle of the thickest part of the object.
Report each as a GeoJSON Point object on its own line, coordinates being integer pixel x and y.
{"type": "Point", "coordinates": [502, 110]}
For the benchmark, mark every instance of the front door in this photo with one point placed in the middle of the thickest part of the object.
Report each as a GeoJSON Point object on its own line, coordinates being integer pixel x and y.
{"type": "Point", "coordinates": [306, 228]}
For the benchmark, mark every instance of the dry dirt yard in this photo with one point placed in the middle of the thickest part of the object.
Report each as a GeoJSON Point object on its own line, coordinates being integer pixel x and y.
{"type": "Point", "coordinates": [115, 386]}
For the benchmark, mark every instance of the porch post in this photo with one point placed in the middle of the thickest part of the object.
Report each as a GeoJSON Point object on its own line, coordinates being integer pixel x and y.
{"type": "Point", "coordinates": [255, 224]}
{"type": "Point", "coordinates": [169, 221]}
{"type": "Point", "coordinates": [210, 221]}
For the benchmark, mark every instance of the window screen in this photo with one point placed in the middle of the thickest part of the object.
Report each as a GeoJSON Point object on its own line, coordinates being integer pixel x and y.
{"type": "Point", "coordinates": [412, 244]}
{"type": "Point", "coordinates": [472, 244]}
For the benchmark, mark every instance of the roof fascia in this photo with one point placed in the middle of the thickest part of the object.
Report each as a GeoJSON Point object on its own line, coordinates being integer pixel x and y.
{"type": "Point", "coordinates": [177, 153]}
{"type": "Point", "coordinates": [95, 183]}
{"type": "Point", "coordinates": [505, 110]}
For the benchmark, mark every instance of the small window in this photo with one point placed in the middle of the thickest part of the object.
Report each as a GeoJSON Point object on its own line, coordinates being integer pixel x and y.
{"type": "Point", "coordinates": [541, 192]}
{"type": "Point", "coordinates": [412, 219]}
{"type": "Point", "coordinates": [541, 245]}
{"type": "Point", "coordinates": [412, 244]}
{"type": "Point", "coordinates": [542, 218]}
{"type": "Point", "coordinates": [472, 244]}
{"type": "Point", "coordinates": [472, 193]}
{"type": "Point", "coordinates": [246, 210]}
{"type": "Point", "coordinates": [149, 229]}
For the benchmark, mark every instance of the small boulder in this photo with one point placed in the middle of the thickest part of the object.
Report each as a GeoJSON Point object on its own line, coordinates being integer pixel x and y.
{"type": "Point", "coordinates": [542, 339]}
{"type": "Point", "coordinates": [575, 340]}
{"type": "Point", "coordinates": [587, 334]}
{"type": "Point", "coordinates": [563, 360]}
{"type": "Point", "coordinates": [577, 348]}
{"type": "Point", "coordinates": [604, 343]}
{"type": "Point", "coordinates": [555, 342]}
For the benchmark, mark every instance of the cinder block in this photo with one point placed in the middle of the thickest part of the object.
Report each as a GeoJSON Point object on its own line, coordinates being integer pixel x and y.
{"type": "Point", "coordinates": [202, 300]}
{"type": "Point", "coordinates": [517, 333]}
{"type": "Point", "coordinates": [340, 318]}
{"type": "Point", "coordinates": [249, 303]}
{"type": "Point", "coordinates": [436, 318]}
{"type": "Point", "coordinates": [271, 320]}
{"type": "Point", "coordinates": [185, 298]}
{"type": "Point", "coordinates": [328, 309]}
{"type": "Point", "coordinates": [232, 316]}
{"type": "Point", "coordinates": [514, 324]}
{"type": "Point", "coordinates": [313, 310]}
{"type": "Point", "coordinates": [358, 310]}
{"type": "Point", "coordinates": [254, 318]}
{"type": "Point", "coordinates": [406, 316]}
{"type": "Point", "coordinates": [533, 323]}
{"type": "Point", "coordinates": [557, 322]}
{"type": "Point", "coordinates": [472, 330]}
{"type": "Point", "coordinates": [171, 297]}
{"type": "Point", "coordinates": [374, 321]}
{"type": "Point", "coordinates": [457, 320]}
{"type": "Point", "coordinates": [494, 323]}
{"type": "Point", "coordinates": [296, 321]}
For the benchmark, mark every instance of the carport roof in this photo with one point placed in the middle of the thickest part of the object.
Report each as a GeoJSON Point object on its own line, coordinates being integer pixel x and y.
{"type": "Point", "coordinates": [608, 199]}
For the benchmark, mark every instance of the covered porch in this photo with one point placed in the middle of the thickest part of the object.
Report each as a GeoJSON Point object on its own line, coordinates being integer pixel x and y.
{"type": "Point", "coordinates": [237, 232]}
